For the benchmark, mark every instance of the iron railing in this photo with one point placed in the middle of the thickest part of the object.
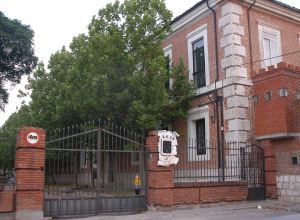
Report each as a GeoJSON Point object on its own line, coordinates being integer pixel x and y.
{"type": "Point", "coordinates": [205, 161]}
{"type": "Point", "coordinates": [7, 160]}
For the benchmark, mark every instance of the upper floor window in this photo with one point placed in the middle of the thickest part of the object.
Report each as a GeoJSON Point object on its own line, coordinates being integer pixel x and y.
{"type": "Point", "coordinates": [270, 46]}
{"type": "Point", "coordinates": [199, 63]}
{"type": "Point", "coordinates": [168, 60]}
{"type": "Point", "coordinates": [283, 92]}
{"type": "Point", "coordinates": [198, 57]}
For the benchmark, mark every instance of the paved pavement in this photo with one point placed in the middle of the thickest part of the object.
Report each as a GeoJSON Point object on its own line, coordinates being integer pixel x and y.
{"type": "Point", "coordinates": [268, 210]}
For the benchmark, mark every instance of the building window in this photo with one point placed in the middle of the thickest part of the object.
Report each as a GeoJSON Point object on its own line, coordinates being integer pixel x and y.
{"type": "Point", "coordinates": [198, 134]}
{"type": "Point", "coordinates": [268, 95]}
{"type": "Point", "coordinates": [270, 46]}
{"type": "Point", "coordinates": [168, 67]}
{"type": "Point", "coordinates": [199, 63]}
{"type": "Point", "coordinates": [294, 160]}
{"type": "Point", "coordinates": [200, 137]}
{"type": "Point", "coordinates": [298, 95]}
{"type": "Point", "coordinates": [283, 92]}
{"type": "Point", "coordinates": [256, 99]}
{"type": "Point", "coordinates": [198, 57]}
{"type": "Point", "coordinates": [168, 59]}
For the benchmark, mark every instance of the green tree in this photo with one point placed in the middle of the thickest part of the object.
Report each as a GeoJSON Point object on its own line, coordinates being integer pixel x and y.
{"type": "Point", "coordinates": [16, 53]}
{"type": "Point", "coordinates": [116, 72]}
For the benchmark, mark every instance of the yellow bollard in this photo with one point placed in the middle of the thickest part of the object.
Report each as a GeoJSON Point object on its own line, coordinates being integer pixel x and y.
{"type": "Point", "coordinates": [137, 184]}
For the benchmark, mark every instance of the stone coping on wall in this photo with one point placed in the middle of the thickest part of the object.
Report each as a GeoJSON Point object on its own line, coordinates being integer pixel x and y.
{"type": "Point", "coordinates": [212, 184]}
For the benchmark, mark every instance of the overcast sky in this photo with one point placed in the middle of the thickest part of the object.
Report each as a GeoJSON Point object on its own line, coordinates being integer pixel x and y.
{"type": "Point", "coordinates": [56, 22]}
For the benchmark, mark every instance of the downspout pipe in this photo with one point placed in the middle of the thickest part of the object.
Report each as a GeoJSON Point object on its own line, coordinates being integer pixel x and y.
{"type": "Point", "coordinates": [250, 39]}
{"type": "Point", "coordinates": [216, 91]}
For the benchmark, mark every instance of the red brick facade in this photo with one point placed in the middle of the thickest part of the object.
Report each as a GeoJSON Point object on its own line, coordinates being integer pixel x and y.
{"type": "Point", "coordinates": [277, 127]}
{"type": "Point", "coordinates": [238, 84]}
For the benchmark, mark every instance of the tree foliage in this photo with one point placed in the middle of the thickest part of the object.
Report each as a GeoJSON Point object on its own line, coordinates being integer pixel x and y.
{"type": "Point", "coordinates": [16, 53]}
{"type": "Point", "coordinates": [116, 72]}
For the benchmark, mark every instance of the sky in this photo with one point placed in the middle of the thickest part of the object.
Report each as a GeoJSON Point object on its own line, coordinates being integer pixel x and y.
{"type": "Point", "coordinates": [56, 22]}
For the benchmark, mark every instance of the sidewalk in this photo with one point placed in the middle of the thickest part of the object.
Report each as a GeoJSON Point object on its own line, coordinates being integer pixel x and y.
{"type": "Point", "coordinates": [267, 210]}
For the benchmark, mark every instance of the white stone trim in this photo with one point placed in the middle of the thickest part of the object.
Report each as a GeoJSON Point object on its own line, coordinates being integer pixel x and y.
{"type": "Point", "coordinates": [236, 71]}
{"type": "Point", "coordinates": [235, 50]}
{"type": "Point", "coordinates": [230, 39]}
{"type": "Point", "coordinates": [262, 32]}
{"type": "Point", "coordinates": [196, 32]}
{"type": "Point", "coordinates": [194, 115]}
{"type": "Point", "coordinates": [168, 51]}
{"type": "Point", "coordinates": [233, 29]}
{"type": "Point", "coordinates": [230, 7]}
{"type": "Point", "coordinates": [229, 19]}
{"type": "Point", "coordinates": [224, 83]}
{"type": "Point", "coordinates": [233, 90]}
{"type": "Point", "coordinates": [239, 136]}
{"type": "Point", "coordinates": [237, 101]}
{"type": "Point", "coordinates": [235, 113]}
{"type": "Point", "coordinates": [239, 125]}
{"type": "Point", "coordinates": [231, 61]}
{"type": "Point", "coordinates": [191, 38]}
{"type": "Point", "coordinates": [278, 135]}
{"type": "Point", "coordinates": [193, 15]}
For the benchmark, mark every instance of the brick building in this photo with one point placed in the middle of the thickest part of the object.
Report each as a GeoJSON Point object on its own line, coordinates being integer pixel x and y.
{"type": "Point", "coordinates": [223, 44]}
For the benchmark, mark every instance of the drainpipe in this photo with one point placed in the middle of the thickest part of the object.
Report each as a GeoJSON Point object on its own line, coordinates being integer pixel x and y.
{"type": "Point", "coordinates": [217, 100]}
{"type": "Point", "coordinates": [250, 42]}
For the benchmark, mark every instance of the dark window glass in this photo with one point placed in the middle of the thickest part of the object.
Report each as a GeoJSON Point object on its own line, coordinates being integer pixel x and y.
{"type": "Point", "coordinates": [294, 160]}
{"type": "Point", "coordinates": [167, 147]}
{"type": "Point", "coordinates": [168, 66]}
{"type": "Point", "coordinates": [199, 63]}
{"type": "Point", "coordinates": [200, 137]}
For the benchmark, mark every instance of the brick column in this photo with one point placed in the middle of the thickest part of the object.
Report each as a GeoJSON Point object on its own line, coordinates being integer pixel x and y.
{"type": "Point", "coordinates": [160, 179]}
{"type": "Point", "coordinates": [29, 165]}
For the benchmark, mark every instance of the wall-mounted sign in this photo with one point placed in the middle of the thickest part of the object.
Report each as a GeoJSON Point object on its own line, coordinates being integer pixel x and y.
{"type": "Point", "coordinates": [167, 148]}
{"type": "Point", "coordinates": [32, 138]}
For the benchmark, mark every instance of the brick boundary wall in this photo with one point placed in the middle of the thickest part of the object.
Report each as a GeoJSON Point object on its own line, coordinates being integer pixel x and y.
{"type": "Point", "coordinates": [29, 166]}
{"type": "Point", "coordinates": [7, 201]}
{"type": "Point", "coordinates": [163, 191]}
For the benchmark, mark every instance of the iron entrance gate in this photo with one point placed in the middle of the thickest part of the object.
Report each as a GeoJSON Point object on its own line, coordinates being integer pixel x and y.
{"type": "Point", "coordinates": [94, 171]}
{"type": "Point", "coordinates": [253, 170]}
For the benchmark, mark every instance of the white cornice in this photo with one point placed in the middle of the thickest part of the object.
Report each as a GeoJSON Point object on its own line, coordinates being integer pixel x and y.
{"type": "Point", "coordinates": [276, 9]}
{"type": "Point", "coordinates": [202, 9]}
{"type": "Point", "coordinates": [260, 4]}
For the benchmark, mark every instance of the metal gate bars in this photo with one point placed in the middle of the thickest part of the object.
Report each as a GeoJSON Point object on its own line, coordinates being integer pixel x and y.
{"type": "Point", "coordinates": [253, 171]}
{"type": "Point", "coordinates": [94, 170]}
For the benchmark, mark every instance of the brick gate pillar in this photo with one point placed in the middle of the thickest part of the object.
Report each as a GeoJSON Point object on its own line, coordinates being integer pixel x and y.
{"type": "Point", "coordinates": [29, 166]}
{"type": "Point", "coordinates": [160, 179]}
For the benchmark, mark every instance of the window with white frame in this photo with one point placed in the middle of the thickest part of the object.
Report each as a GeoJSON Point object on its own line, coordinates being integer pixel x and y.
{"type": "Point", "coordinates": [168, 57]}
{"type": "Point", "coordinates": [198, 133]}
{"type": "Point", "coordinates": [198, 57]}
{"type": "Point", "coordinates": [270, 46]}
